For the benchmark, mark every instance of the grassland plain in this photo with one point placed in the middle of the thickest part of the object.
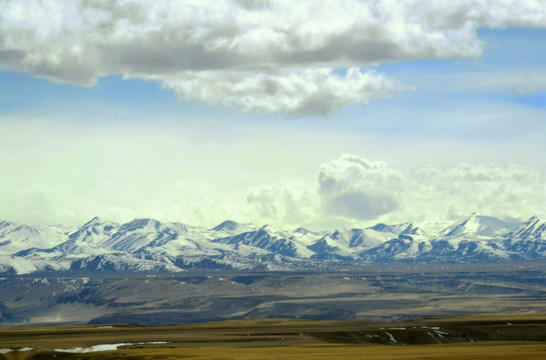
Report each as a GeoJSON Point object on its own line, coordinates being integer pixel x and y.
{"type": "Point", "coordinates": [517, 336]}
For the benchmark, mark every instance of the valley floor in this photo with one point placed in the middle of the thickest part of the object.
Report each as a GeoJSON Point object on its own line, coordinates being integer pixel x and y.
{"type": "Point", "coordinates": [373, 293]}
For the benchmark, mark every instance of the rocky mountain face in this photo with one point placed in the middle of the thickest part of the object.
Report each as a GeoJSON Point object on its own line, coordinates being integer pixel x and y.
{"type": "Point", "coordinates": [148, 245]}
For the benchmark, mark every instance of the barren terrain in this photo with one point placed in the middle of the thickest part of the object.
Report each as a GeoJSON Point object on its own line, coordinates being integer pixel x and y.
{"type": "Point", "coordinates": [374, 293]}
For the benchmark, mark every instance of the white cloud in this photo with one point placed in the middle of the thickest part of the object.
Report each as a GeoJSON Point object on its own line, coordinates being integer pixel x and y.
{"type": "Point", "coordinates": [357, 188]}
{"type": "Point", "coordinates": [514, 190]}
{"type": "Point", "coordinates": [285, 205]}
{"type": "Point", "coordinates": [353, 191]}
{"type": "Point", "coordinates": [244, 45]}
{"type": "Point", "coordinates": [295, 93]}
{"type": "Point", "coordinates": [68, 173]}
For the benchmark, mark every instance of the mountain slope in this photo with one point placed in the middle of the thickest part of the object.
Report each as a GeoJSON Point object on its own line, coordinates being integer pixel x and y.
{"type": "Point", "coordinates": [148, 245]}
{"type": "Point", "coordinates": [528, 240]}
{"type": "Point", "coordinates": [17, 237]}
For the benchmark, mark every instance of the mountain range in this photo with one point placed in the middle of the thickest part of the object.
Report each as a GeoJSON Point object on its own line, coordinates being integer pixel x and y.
{"type": "Point", "coordinates": [148, 245]}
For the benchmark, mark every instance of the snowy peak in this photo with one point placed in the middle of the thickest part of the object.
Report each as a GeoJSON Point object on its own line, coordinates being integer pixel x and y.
{"type": "Point", "coordinates": [359, 239]}
{"type": "Point", "coordinates": [97, 226]}
{"type": "Point", "coordinates": [478, 225]}
{"type": "Point", "coordinates": [94, 222]}
{"type": "Point", "coordinates": [140, 233]}
{"type": "Point", "coordinates": [411, 229]}
{"type": "Point", "coordinates": [531, 230]}
{"type": "Point", "coordinates": [270, 229]}
{"type": "Point", "coordinates": [4, 223]}
{"type": "Point", "coordinates": [261, 239]}
{"type": "Point", "coordinates": [151, 245]}
{"type": "Point", "coordinates": [88, 238]}
{"type": "Point", "coordinates": [383, 228]}
{"type": "Point", "coordinates": [177, 227]}
{"type": "Point", "coordinates": [147, 225]}
{"type": "Point", "coordinates": [22, 230]}
{"type": "Point", "coordinates": [304, 231]}
{"type": "Point", "coordinates": [232, 227]}
{"type": "Point", "coordinates": [16, 237]}
{"type": "Point", "coordinates": [228, 225]}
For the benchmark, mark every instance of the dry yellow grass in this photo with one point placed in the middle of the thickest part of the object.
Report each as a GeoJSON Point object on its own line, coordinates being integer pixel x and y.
{"type": "Point", "coordinates": [497, 351]}
{"type": "Point", "coordinates": [496, 337]}
{"type": "Point", "coordinates": [383, 352]}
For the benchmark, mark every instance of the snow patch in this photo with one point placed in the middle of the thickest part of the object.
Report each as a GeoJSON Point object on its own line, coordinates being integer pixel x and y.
{"type": "Point", "coordinates": [391, 338]}
{"type": "Point", "coordinates": [432, 336]}
{"type": "Point", "coordinates": [7, 350]}
{"type": "Point", "coordinates": [107, 347]}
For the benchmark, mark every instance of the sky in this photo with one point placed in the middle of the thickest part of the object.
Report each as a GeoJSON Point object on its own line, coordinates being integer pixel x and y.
{"type": "Point", "coordinates": [322, 114]}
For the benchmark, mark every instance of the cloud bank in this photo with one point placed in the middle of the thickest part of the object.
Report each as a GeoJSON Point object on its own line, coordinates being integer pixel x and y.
{"type": "Point", "coordinates": [298, 58]}
{"type": "Point", "coordinates": [352, 190]}
{"type": "Point", "coordinates": [133, 173]}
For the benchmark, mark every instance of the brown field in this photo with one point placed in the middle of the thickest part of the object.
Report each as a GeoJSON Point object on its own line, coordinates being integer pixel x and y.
{"type": "Point", "coordinates": [450, 351]}
{"type": "Point", "coordinates": [518, 336]}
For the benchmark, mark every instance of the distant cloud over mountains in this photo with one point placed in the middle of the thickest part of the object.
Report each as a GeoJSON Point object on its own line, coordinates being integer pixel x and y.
{"type": "Point", "coordinates": [352, 188]}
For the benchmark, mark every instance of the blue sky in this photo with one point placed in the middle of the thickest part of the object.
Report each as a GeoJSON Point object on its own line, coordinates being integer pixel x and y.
{"type": "Point", "coordinates": [424, 125]}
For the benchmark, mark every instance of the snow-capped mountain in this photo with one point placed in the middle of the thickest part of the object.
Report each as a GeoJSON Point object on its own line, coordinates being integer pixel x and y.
{"type": "Point", "coordinates": [17, 237]}
{"type": "Point", "coordinates": [533, 229]}
{"type": "Point", "coordinates": [410, 242]}
{"type": "Point", "coordinates": [478, 225]}
{"type": "Point", "coordinates": [232, 227]}
{"type": "Point", "coordinates": [152, 245]}
{"type": "Point", "coordinates": [292, 244]}
{"type": "Point", "coordinates": [529, 238]}
{"type": "Point", "coordinates": [89, 238]}
{"type": "Point", "coordinates": [474, 238]}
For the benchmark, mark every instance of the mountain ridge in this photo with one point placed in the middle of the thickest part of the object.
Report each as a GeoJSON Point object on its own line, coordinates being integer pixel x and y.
{"type": "Point", "coordinates": [147, 245]}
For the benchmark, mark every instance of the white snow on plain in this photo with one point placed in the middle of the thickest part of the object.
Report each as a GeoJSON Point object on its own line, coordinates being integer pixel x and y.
{"type": "Point", "coordinates": [432, 336]}
{"type": "Point", "coordinates": [7, 350]}
{"type": "Point", "coordinates": [392, 339]}
{"type": "Point", "coordinates": [107, 347]}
